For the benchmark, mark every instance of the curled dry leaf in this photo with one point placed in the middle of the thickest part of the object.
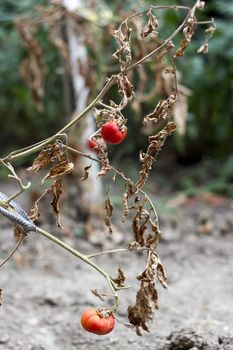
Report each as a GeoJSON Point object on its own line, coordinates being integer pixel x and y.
{"type": "Point", "coordinates": [98, 294]}
{"type": "Point", "coordinates": [147, 297]}
{"type": "Point", "coordinates": [142, 311]}
{"type": "Point", "coordinates": [163, 110]}
{"type": "Point", "coordinates": [130, 190]}
{"type": "Point", "coordinates": [109, 209]}
{"type": "Point", "coordinates": [33, 67]}
{"type": "Point", "coordinates": [51, 153]}
{"type": "Point", "coordinates": [57, 189]}
{"type": "Point", "coordinates": [126, 89]}
{"type": "Point", "coordinates": [86, 172]}
{"type": "Point", "coordinates": [152, 25]}
{"type": "Point", "coordinates": [188, 32]}
{"type": "Point", "coordinates": [139, 227]}
{"type": "Point", "coordinates": [120, 279]}
{"type": "Point", "coordinates": [122, 36]}
{"type": "Point", "coordinates": [18, 233]}
{"type": "Point", "coordinates": [59, 170]}
{"type": "Point", "coordinates": [34, 212]}
{"type": "Point", "coordinates": [103, 157]}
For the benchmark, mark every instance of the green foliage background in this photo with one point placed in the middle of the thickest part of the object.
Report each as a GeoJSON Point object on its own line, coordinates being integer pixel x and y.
{"type": "Point", "coordinates": [210, 77]}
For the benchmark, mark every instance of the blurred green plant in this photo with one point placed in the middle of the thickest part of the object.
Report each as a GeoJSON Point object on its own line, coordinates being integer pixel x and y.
{"type": "Point", "coordinates": [21, 124]}
{"type": "Point", "coordinates": [210, 120]}
{"type": "Point", "coordinates": [209, 127]}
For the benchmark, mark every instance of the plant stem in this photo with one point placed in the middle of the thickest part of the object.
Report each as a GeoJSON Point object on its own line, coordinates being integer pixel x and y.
{"type": "Point", "coordinates": [86, 260]}
{"type": "Point", "coordinates": [120, 250]}
{"type": "Point", "coordinates": [13, 251]}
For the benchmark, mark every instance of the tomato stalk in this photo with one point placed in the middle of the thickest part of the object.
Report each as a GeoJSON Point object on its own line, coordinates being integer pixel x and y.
{"type": "Point", "coordinates": [87, 260]}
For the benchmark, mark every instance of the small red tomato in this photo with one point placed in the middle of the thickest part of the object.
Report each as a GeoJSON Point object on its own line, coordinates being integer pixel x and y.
{"type": "Point", "coordinates": [92, 145]}
{"type": "Point", "coordinates": [93, 322]}
{"type": "Point", "coordinates": [111, 133]}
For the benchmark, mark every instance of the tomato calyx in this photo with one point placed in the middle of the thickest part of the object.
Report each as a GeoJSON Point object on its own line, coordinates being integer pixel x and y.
{"type": "Point", "coordinates": [104, 312]}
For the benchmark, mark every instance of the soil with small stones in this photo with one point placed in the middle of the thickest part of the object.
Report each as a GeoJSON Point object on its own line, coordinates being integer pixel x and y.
{"type": "Point", "coordinates": [45, 289]}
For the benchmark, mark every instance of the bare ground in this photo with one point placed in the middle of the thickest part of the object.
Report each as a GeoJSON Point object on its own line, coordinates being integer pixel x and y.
{"type": "Point", "coordinates": [45, 289]}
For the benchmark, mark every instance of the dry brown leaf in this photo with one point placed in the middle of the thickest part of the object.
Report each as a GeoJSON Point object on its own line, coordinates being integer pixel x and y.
{"type": "Point", "coordinates": [147, 297]}
{"type": "Point", "coordinates": [163, 110]}
{"type": "Point", "coordinates": [49, 154]}
{"type": "Point", "coordinates": [109, 209]}
{"type": "Point", "coordinates": [120, 279]}
{"type": "Point", "coordinates": [103, 157]}
{"type": "Point", "coordinates": [57, 189]}
{"type": "Point", "coordinates": [142, 311]}
{"type": "Point", "coordinates": [122, 36]}
{"type": "Point", "coordinates": [188, 32]}
{"type": "Point", "coordinates": [152, 25]}
{"type": "Point", "coordinates": [18, 233]}
{"type": "Point", "coordinates": [161, 274]}
{"type": "Point", "coordinates": [86, 172]}
{"type": "Point", "coordinates": [59, 170]}
{"type": "Point", "coordinates": [34, 212]}
{"type": "Point", "coordinates": [42, 160]}
{"type": "Point", "coordinates": [98, 294]}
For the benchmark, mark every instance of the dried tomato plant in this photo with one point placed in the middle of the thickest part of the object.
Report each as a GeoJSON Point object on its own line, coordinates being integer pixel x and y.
{"type": "Point", "coordinates": [54, 153]}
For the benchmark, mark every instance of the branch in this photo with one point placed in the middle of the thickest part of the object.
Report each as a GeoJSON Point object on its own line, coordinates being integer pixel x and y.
{"type": "Point", "coordinates": [85, 259]}
{"type": "Point", "coordinates": [13, 251]}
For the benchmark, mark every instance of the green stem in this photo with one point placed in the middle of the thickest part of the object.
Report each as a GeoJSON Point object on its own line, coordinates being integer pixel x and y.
{"type": "Point", "coordinates": [86, 260]}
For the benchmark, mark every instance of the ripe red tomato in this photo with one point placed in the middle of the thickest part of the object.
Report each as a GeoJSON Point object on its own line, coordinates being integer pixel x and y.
{"type": "Point", "coordinates": [92, 322]}
{"type": "Point", "coordinates": [92, 145]}
{"type": "Point", "coordinates": [111, 133]}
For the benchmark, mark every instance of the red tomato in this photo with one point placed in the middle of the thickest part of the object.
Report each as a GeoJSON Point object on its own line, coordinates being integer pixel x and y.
{"type": "Point", "coordinates": [112, 134]}
{"type": "Point", "coordinates": [92, 145]}
{"type": "Point", "coordinates": [92, 322]}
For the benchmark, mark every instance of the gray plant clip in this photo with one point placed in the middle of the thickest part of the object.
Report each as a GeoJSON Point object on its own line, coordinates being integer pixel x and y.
{"type": "Point", "coordinates": [16, 214]}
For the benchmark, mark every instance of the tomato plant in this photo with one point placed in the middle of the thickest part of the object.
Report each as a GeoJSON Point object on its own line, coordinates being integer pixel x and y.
{"type": "Point", "coordinates": [94, 322]}
{"type": "Point", "coordinates": [111, 133]}
{"type": "Point", "coordinates": [92, 145]}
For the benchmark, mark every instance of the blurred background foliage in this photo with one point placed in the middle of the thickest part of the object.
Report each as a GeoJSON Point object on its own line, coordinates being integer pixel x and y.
{"type": "Point", "coordinates": [209, 126]}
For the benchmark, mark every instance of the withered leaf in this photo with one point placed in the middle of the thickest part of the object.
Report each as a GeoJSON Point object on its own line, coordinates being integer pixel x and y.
{"type": "Point", "coordinates": [86, 172]}
{"type": "Point", "coordinates": [98, 294]}
{"type": "Point", "coordinates": [34, 212]}
{"type": "Point", "coordinates": [103, 157]}
{"type": "Point", "coordinates": [120, 279]}
{"type": "Point", "coordinates": [152, 25]}
{"type": "Point", "coordinates": [57, 189]}
{"type": "Point", "coordinates": [60, 169]}
{"type": "Point", "coordinates": [42, 161]}
{"type": "Point", "coordinates": [109, 209]}
{"type": "Point", "coordinates": [139, 228]}
{"type": "Point", "coordinates": [122, 36]}
{"type": "Point", "coordinates": [126, 89]}
{"type": "Point", "coordinates": [147, 296]}
{"type": "Point", "coordinates": [49, 154]}
{"type": "Point", "coordinates": [188, 32]}
{"type": "Point", "coordinates": [143, 310]}
{"type": "Point", "coordinates": [18, 233]}
{"type": "Point", "coordinates": [162, 110]}
{"type": "Point", "coordinates": [161, 274]}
